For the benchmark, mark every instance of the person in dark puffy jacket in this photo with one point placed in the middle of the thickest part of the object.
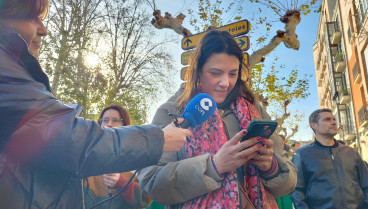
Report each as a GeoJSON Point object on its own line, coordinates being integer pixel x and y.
{"type": "Point", "coordinates": [330, 175]}
{"type": "Point", "coordinates": [45, 150]}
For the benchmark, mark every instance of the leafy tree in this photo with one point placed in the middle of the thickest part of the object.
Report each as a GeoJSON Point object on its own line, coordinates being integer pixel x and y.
{"type": "Point", "coordinates": [278, 92]}
{"type": "Point", "coordinates": [130, 65]}
{"type": "Point", "coordinates": [138, 65]}
{"type": "Point", "coordinates": [70, 25]}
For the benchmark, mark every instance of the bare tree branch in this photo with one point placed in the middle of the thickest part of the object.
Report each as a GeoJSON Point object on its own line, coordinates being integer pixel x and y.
{"type": "Point", "coordinates": [289, 37]}
{"type": "Point", "coordinates": [169, 22]}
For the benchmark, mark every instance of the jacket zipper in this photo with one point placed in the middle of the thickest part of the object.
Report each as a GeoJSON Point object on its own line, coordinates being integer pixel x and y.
{"type": "Point", "coordinates": [337, 175]}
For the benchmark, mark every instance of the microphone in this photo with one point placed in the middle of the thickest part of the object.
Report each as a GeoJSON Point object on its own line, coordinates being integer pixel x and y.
{"type": "Point", "coordinates": [198, 110]}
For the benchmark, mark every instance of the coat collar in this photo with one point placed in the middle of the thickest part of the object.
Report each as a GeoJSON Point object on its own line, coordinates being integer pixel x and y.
{"type": "Point", "coordinates": [13, 43]}
{"type": "Point", "coordinates": [336, 144]}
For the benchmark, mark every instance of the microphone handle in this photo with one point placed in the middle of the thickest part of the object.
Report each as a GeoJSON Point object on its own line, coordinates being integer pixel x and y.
{"type": "Point", "coordinates": [185, 124]}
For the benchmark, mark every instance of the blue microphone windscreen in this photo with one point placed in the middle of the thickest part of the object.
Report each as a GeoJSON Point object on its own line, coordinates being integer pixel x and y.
{"type": "Point", "coordinates": [199, 109]}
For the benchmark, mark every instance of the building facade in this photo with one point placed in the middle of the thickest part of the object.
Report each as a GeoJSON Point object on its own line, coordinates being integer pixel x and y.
{"type": "Point", "coordinates": [341, 65]}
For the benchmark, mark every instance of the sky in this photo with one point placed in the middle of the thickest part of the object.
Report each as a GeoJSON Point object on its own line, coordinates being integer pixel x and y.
{"type": "Point", "coordinates": [302, 60]}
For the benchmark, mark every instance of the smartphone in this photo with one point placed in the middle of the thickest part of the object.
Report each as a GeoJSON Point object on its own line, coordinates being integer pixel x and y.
{"type": "Point", "coordinates": [260, 127]}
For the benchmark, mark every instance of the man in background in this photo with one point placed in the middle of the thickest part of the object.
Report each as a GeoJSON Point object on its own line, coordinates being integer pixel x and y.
{"type": "Point", "coordinates": [330, 175]}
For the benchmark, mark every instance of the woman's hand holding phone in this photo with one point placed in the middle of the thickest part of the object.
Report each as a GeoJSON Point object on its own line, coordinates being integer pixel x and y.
{"type": "Point", "coordinates": [262, 129]}
{"type": "Point", "coordinates": [263, 159]}
{"type": "Point", "coordinates": [234, 153]}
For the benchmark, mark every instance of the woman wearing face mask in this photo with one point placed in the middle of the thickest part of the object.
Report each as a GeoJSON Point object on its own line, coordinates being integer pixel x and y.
{"type": "Point", "coordinates": [99, 188]}
{"type": "Point", "coordinates": [214, 169]}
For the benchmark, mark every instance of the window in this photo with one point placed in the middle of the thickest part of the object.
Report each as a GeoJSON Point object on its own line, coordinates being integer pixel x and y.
{"type": "Point", "coordinates": [365, 58]}
{"type": "Point", "coordinates": [337, 24]}
{"type": "Point", "coordinates": [351, 28]}
{"type": "Point", "coordinates": [346, 119]}
{"type": "Point", "coordinates": [341, 83]}
{"type": "Point", "coordinates": [362, 95]}
{"type": "Point", "coordinates": [361, 9]}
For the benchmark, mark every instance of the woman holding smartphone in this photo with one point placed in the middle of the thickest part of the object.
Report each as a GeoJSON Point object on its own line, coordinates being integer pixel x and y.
{"type": "Point", "coordinates": [215, 169]}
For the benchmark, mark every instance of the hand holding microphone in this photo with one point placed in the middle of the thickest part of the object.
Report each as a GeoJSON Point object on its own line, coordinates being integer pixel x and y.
{"type": "Point", "coordinates": [175, 137]}
{"type": "Point", "coordinates": [198, 110]}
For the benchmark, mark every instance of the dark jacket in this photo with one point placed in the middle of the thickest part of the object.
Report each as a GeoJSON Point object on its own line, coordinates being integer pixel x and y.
{"type": "Point", "coordinates": [45, 149]}
{"type": "Point", "coordinates": [332, 177]}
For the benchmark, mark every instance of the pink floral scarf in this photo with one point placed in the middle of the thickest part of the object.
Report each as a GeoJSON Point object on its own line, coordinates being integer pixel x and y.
{"type": "Point", "coordinates": [209, 138]}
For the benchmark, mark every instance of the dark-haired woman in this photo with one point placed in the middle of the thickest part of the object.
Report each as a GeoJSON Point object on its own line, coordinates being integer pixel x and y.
{"type": "Point", "coordinates": [215, 169]}
{"type": "Point", "coordinates": [101, 187]}
{"type": "Point", "coordinates": [45, 150]}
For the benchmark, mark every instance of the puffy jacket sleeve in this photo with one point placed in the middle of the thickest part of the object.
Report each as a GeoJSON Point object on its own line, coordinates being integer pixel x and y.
{"type": "Point", "coordinates": [173, 181]}
{"type": "Point", "coordinates": [39, 129]}
{"type": "Point", "coordinates": [285, 181]}
{"type": "Point", "coordinates": [363, 176]}
{"type": "Point", "coordinates": [298, 195]}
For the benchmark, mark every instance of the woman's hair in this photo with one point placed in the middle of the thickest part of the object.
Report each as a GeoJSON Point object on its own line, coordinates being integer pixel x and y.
{"type": "Point", "coordinates": [122, 112]}
{"type": "Point", "coordinates": [23, 9]}
{"type": "Point", "coordinates": [215, 42]}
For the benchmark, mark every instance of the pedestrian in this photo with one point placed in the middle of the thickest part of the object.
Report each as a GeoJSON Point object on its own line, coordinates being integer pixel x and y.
{"type": "Point", "coordinates": [98, 188]}
{"type": "Point", "coordinates": [330, 175]}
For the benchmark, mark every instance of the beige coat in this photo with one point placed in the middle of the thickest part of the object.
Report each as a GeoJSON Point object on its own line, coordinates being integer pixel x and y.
{"type": "Point", "coordinates": [177, 179]}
